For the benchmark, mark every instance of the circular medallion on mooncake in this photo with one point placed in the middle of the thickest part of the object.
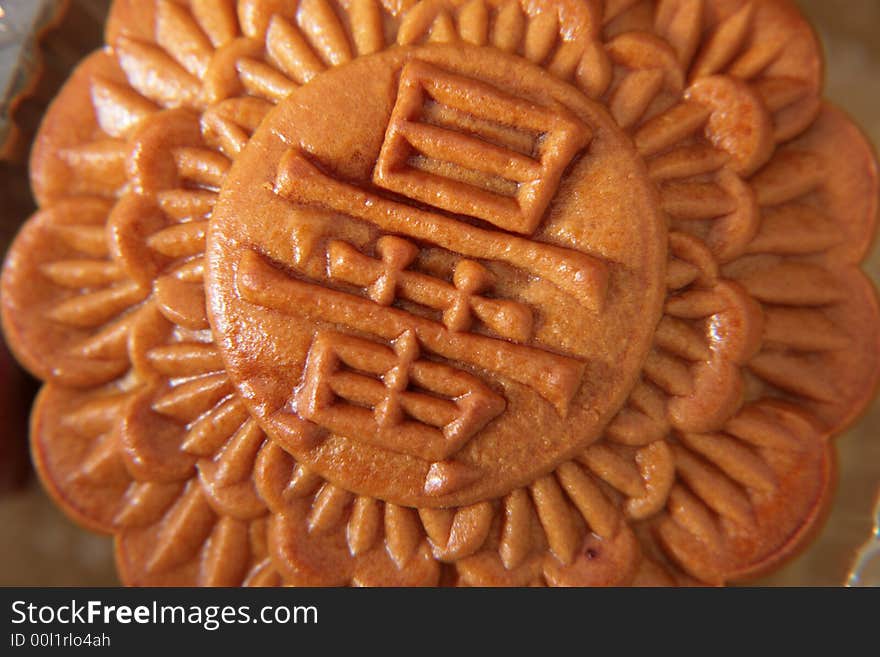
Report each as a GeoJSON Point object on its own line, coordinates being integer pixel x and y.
{"type": "Point", "coordinates": [436, 272]}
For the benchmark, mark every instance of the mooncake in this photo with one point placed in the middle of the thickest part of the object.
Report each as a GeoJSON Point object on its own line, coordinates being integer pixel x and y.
{"type": "Point", "coordinates": [445, 292]}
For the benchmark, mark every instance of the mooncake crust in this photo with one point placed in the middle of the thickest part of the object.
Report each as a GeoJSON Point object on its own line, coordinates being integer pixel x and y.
{"type": "Point", "coordinates": [171, 295]}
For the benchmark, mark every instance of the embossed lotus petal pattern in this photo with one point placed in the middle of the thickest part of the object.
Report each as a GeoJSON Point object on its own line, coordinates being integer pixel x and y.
{"type": "Point", "coordinates": [715, 467]}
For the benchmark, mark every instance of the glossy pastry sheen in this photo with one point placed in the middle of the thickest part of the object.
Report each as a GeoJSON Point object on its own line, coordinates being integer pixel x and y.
{"type": "Point", "coordinates": [446, 293]}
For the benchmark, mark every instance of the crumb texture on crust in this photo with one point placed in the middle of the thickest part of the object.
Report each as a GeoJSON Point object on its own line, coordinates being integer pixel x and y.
{"type": "Point", "coordinates": [717, 461]}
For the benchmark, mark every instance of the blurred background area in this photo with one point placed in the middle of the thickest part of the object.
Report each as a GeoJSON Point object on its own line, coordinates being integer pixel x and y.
{"type": "Point", "coordinates": [40, 547]}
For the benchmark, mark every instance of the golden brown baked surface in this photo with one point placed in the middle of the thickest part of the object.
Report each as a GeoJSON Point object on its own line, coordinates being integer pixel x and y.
{"type": "Point", "coordinates": [446, 292]}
